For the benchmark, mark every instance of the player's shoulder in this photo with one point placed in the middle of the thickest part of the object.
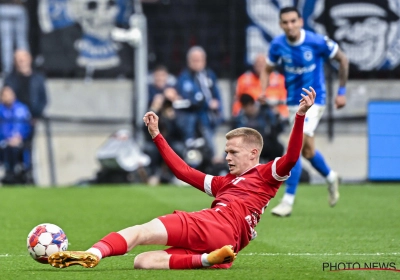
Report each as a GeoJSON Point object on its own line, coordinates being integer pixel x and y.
{"type": "Point", "coordinates": [260, 169]}
{"type": "Point", "coordinates": [279, 40]}
{"type": "Point", "coordinates": [313, 35]}
{"type": "Point", "coordinates": [316, 38]}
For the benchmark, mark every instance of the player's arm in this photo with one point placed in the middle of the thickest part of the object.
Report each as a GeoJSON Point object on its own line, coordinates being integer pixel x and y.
{"type": "Point", "coordinates": [286, 162]}
{"type": "Point", "coordinates": [272, 60]}
{"type": "Point", "coordinates": [264, 81]}
{"type": "Point", "coordinates": [180, 169]}
{"type": "Point", "coordinates": [343, 73]}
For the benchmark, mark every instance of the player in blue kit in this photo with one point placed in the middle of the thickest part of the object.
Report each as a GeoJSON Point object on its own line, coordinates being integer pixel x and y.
{"type": "Point", "coordinates": [302, 54]}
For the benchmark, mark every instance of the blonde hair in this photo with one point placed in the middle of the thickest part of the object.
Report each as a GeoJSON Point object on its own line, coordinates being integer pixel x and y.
{"type": "Point", "coordinates": [250, 136]}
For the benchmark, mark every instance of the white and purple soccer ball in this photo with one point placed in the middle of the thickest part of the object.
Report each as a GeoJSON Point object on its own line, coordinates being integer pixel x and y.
{"type": "Point", "coordinates": [44, 240]}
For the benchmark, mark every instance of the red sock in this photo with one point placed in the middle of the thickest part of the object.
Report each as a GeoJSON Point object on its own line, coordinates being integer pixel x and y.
{"type": "Point", "coordinates": [185, 261]}
{"type": "Point", "coordinates": [112, 244]}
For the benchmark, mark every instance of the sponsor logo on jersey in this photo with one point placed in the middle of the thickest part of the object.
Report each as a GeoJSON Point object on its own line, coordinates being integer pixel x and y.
{"type": "Point", "coordinates": [300, 70]}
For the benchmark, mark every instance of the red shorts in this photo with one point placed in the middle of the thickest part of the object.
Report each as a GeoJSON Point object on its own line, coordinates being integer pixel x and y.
{"type": "Point", "coordinates": [200, 232]}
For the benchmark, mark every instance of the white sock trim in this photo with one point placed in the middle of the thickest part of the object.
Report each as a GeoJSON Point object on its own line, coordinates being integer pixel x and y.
{"type": "Point", "coordinates": [288, 198]}
{"type": "Point", "coordinates": [96, 252]}
{"type": "Point", "coordinates": [331, 177]}
{"type": "Point", "coordinates": [204, 260]}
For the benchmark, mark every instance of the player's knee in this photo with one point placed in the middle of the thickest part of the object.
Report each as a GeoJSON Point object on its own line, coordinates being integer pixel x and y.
{"type": "Point", "coordinates": [307, 153]}
{"type": "Point", "coordinates": [141, 261]}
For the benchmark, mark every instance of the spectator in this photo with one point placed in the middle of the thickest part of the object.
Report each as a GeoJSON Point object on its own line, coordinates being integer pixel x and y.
{"type": "Point", "coordinates": [29, 87]}
{"type": "Point", "coordinates": [201, 105]}
{"type": "Point", "coordinates": [159, 80]}
{"type": "Point", "coordinates": [13, 28]}
{"type": "Point", "coordinates": [249, 83]}
{"type": "Point", "coordinates": [162, 105]}
{"type": "Point", "coordinates": [263, 119]}
{"type": "Point", "coordinates": [14, 131]}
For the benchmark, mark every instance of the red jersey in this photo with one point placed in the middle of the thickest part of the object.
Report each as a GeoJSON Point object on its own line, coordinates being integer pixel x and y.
{"type": "Point", "coordinates": [241, 199]}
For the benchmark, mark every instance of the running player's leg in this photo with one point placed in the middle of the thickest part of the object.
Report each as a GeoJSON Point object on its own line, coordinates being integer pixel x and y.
{"type": "Point", "coordinates": [285, 207]}
{"type": "Point", "coordinates": [315, 157]}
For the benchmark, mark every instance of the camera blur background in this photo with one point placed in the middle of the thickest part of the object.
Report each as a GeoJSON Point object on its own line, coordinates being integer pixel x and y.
{"type": "Point", "coordinates": [98, 65]}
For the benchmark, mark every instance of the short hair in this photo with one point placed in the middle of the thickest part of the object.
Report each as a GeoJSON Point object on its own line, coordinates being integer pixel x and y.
{"type": "Point", "coordinates": [194, 49]}
{"type": "Point", "coordinates": [288, 10]}
{"type": "Point", "coordinates": [246, 99]}
{"type": "Point", "coordinates": [249, 135]}
{"type": "Point", "coordinates": [160, 67]}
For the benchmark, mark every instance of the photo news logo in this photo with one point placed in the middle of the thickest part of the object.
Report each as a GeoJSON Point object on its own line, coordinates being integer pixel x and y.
{"type": "Point", "coordinates": [346, 266]}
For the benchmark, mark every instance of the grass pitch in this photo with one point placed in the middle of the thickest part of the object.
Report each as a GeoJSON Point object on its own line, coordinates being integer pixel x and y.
{"type": "Point", "coordinates": [363, 228]}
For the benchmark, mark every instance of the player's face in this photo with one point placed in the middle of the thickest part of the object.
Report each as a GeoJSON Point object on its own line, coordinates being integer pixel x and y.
{"type": "Point", "coordinates": [238, 155]}
{"type": "Point", "coordinates": [291, 24]}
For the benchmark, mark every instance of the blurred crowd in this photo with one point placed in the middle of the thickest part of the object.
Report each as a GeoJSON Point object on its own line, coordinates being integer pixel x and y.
{"type": "Point", "coordinates": [189, 105]}
{"type": "Point", "coordinates": [23, 95]}
{"type": "Point", "coordinates": [191, 110]}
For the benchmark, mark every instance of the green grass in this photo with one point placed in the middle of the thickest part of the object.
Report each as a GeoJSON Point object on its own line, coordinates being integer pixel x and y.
{"type": "Point", "coordinates": [365, 222]}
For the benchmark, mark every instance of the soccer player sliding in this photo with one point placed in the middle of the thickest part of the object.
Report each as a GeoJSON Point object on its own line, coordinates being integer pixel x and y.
{"type": "Point", "coordinates": [210, 237]}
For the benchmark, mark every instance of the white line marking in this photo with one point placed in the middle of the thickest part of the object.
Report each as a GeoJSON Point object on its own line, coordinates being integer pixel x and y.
{"type": "Point", "coordinates": [320, 254]}
{"type": "Point", "coordinates": [273, 254]}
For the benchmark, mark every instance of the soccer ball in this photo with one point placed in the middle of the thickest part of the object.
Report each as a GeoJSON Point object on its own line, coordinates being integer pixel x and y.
{"type": "Point", "coordinates": [44, 240]}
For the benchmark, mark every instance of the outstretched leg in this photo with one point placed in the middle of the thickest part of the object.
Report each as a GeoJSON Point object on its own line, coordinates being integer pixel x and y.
{"type": "Point", "coordinates": [114, 244]}
{"type": "Point", "coordinates": [166, 230]}
{"type": "Point", "coordinates": [179, 258]}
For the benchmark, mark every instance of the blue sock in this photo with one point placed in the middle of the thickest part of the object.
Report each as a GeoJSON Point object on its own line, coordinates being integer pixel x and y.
{"type": "Point", "coordinates": [318, 162]}
{"type": "Point", "coordinates": [293, 181]}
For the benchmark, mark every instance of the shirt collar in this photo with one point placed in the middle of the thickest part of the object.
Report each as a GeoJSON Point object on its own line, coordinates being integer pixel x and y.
{"type": "Point", "coordinates": [301, 39]}
{"type": "Point", "coordinates": [249, 169]}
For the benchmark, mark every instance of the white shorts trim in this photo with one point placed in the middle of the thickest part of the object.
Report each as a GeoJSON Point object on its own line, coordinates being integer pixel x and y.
{"type": "Point", "coordinates": [207, 184]}
{"type": "Point", "coordinates": [313, 116]}
{"type": "Point", "coordinates": [276, 176]}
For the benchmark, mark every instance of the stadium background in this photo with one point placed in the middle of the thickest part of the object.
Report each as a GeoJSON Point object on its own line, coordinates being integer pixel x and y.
{"type": "Point", "coordinates": [87, 103]}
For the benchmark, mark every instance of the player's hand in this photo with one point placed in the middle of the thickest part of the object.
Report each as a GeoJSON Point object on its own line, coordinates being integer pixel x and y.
{"type": "Point", "coordinates": [340, 101]}
{"type": "Point", "coordinates": [151, 121]}
{"type": "Point", "coordinates": [307, 101]}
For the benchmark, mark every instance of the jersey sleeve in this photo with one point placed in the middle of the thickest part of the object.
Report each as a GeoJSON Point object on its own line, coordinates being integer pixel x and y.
{"type": "Point", "coordinates": [273, 54]}
{"type": "Point", "coordinates": [328, 48]}
{"type": "Point", "coordinates": [280, 167]}
{"type": "Point", "coordinates": [180, 168]}
{"type": "Point", "coordinates": [212, 184]}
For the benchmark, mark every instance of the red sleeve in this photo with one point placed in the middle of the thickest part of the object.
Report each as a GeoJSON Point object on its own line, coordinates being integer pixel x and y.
{"type": "Point", "coordinates": [180, 168]}
{"type": "Point", "coordinates": [287, 161]}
